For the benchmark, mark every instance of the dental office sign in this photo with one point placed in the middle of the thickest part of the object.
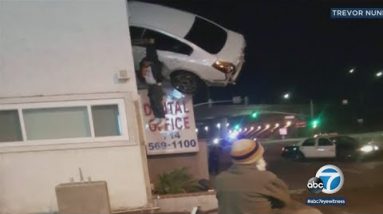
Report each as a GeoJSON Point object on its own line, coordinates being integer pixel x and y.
{"type": "Point", "coordinates": [178, 135]}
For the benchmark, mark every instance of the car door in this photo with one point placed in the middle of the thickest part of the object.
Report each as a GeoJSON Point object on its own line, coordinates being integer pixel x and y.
{"type": "Point", "coordinates": [325, 148]}
{"type": "Point", "coordinates": [173, 53]}
{"type": "Point", "coordinates": [308, 148]}
{"type": "Point", "coordinates": [345, 146]}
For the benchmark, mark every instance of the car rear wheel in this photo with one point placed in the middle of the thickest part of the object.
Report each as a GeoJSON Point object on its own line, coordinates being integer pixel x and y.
{"type": "Point", "coordinates": [185, 82]}
{"type": "Point", "coordinates": [298, 156]}
{"type": "Point", "coordinates": [345, 155]}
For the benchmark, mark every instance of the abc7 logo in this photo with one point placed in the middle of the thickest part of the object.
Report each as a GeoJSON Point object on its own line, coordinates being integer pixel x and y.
{"type": "Point", "coordinates": [329, 179]}
{"type": "Point", "coordinates": [315, 185]}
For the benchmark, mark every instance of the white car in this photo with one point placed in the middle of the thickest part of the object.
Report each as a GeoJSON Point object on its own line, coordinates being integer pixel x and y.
{"type": "Point", "coordinates": [191, 48]}
{"type": "Point", "coordinates": [341, 147]}
{"type": "Point", "coordinates": [320, 147]}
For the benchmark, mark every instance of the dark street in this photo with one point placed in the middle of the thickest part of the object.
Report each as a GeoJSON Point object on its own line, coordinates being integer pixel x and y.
{"type": "Point", "coordinates": [362, 187]}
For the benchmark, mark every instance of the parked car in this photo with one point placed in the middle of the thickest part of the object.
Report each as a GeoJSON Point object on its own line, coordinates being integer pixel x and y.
{"type": "Point", "coordinates": [193, 49]}
{"type": "Point", "coordinates": [341, 147]}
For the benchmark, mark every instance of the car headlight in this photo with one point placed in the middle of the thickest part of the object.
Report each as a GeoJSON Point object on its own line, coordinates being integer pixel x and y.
{"type": "Point", "coordinates": [224, 67]}
{"type": "Point", "coordinates": [376, 148]}
{"type": "Point", "coordinates": [367, 148]}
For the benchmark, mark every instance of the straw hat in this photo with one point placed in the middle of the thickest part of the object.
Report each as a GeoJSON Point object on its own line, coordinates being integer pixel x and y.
{"type": "Point", "coordinates": [246, 151]}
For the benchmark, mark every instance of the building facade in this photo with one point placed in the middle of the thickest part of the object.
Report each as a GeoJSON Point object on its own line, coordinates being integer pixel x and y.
{"type": "Point", "coordinates": [68, 101]}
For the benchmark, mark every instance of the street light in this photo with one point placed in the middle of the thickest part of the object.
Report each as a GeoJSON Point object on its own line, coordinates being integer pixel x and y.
{"type": "Point", "coordinates": [379, 74]}
{"type": "Point", "coordinates": [286, 96]}
{"type": "Point", "coordinates": [216, 141]}
{"type": "Point", "coordinates": [351, 71]}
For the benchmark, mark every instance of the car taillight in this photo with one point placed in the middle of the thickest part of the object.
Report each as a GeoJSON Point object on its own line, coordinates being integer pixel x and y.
{"type": "Point", "coordinates": [225, 67]}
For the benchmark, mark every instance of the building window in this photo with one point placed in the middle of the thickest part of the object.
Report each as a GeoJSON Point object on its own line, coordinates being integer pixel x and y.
{"type": "Point", "coordinates": [72, 121]}
{"type": "Point", "coordinates": [106, 120]}
{"type": "Point", "coordinates": [56, 123]}
{"type": "Point", "coordinates": [10, 129]}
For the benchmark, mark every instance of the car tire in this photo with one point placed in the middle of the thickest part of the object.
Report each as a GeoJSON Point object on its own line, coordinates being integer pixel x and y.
{"type": "Point", "coordinates": [298, 156]}
{"type": "Point", "coordinates": [186, 82]}
{"type": "Point", "coordinates": [344, 155]}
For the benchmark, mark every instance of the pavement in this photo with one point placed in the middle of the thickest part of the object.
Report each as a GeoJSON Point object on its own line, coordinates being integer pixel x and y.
{"type": "Point", "coordinates": [363, 185]}
{"type": "Point", "coordinates": [362, 188]}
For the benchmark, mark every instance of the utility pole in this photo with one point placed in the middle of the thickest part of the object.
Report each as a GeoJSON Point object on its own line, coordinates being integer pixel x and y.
{"type": "Point", "coordinates": [311, 109]}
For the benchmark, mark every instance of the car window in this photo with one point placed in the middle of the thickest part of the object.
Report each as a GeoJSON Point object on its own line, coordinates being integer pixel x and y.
{"type": "Point", "coordinates": [324, 142]}
{"type": "Point", "coordinates": [136, 33]}
{"type": "Point", "coordinates": [345, 142]}
{"type": "Point", "coordinates": [309, 142]}
{"type": "Point", "coordinates": [213, 41]}
{"type": "Point", "coordinates": [163, 42]}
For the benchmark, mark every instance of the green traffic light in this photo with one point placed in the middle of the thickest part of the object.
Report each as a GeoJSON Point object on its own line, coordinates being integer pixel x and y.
{"type": "Point", "coordinates": [254, 115]}
{"type": "Point", "coordinates": [315, 123]}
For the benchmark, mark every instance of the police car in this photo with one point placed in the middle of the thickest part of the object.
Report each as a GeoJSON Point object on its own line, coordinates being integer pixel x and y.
{"type": "Point", "coordinates": [341, 147]}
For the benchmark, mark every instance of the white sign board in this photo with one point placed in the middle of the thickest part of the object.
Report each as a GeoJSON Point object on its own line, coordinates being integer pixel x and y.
{"type": "Point", "coordinates": [289, 117]}
{"type": "Point", "coordinates": [283, 131]}
{"type": "Point", "coordinates": [178, 135]}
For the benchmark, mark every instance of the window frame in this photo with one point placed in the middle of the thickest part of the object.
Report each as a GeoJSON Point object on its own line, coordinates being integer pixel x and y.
{"type": "Point", "coordinates": [63, 104]}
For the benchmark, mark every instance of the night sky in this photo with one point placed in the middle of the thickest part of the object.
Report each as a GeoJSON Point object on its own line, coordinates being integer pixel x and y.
{"type": "Point", "coordinates": [294, 46]}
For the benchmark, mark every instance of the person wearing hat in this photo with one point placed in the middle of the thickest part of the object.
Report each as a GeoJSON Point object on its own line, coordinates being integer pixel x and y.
{"type": "Point", "coordinates": [248, 188]}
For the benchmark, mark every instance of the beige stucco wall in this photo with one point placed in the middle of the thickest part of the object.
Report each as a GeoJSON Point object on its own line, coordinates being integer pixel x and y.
{"type": "Point", "coordinates": [55, 51]}
{"type": "Point", "coordinates": [64, 47]}
{"type": "Point", "coordinates": [196, 163]}
{"type": "Point", "coordinates": [28, 179]}
{"type": "Point", "coordinates": [29, 173]}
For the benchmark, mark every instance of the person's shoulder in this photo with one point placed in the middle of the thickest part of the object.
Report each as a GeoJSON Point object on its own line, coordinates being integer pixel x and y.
{"type": "Point", "coordinates": [223, 176]}
{"type": "Point", "coordinates": [268, 174]}
{"type": "Point", "coordinates": [220, 179]}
